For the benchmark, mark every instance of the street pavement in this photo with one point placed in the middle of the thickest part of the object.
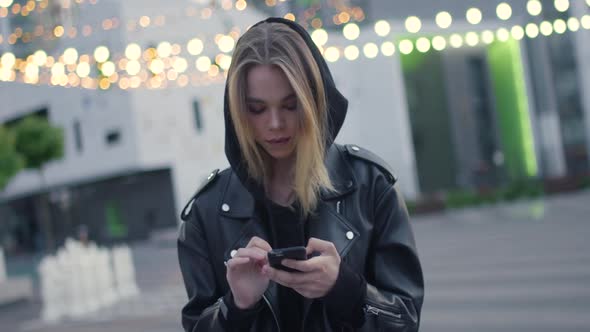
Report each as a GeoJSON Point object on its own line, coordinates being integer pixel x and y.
{"type": "Point", "coordinates": [522, 266]}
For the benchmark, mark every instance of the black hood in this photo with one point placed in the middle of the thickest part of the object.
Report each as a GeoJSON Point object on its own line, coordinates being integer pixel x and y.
{"type": "Point", "coordinates": [337, 107]}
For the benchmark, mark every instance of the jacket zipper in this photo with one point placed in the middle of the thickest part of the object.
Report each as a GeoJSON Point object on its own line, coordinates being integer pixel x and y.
{"type": "Point", "coordinates": [338, 207]}
{"type": "Point", "coordinates": [272, 312]}
{"type": "Point", "coordinates": [377, 311]}
{"type": "Point", "coordinates": [207, 311]}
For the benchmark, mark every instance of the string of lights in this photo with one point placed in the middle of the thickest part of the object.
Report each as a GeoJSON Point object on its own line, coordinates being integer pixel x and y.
{"type": "Point", "coordinates": [8, 7]}
{"type": "Point", "coordinates": [413, 24]}
{"type": "Point", "coordinates": [164, 66]}
{"type": "Point", "coordinates": [142, 22]}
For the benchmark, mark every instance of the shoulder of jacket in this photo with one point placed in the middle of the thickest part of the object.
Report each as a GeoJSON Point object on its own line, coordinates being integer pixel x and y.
{"type": "Point", "coordinates": [365, 155]}
{"type": "Point", "coordinates": [207, 183]}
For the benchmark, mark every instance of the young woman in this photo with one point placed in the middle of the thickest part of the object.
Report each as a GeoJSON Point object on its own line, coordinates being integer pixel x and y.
{"type": "Point", "coordinates": [290, 185]}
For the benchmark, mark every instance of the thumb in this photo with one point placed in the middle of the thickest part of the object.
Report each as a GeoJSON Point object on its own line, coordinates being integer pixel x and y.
{"type": "Point", "coordinates": [321, 246]}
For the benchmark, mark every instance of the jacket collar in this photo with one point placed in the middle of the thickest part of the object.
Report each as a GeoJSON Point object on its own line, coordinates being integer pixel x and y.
{"type": "Point", "coordinates": [237, 202]}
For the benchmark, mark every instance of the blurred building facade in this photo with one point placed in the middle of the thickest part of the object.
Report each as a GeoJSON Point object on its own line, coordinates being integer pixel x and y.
{"type": "Point", "coordinates": [478, 114]}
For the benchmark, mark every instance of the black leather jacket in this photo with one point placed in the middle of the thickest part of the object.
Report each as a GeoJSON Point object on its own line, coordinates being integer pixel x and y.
{"type": "Point", "coordinates": [366, 220]}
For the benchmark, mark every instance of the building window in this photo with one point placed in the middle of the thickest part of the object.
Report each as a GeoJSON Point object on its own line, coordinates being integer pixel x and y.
{"type": "Point", "coordinates": [197, 114]}
{"type": "Point", "coordinates": [113, 137]}
{"type": "Point", "coordinates": [78, 136]}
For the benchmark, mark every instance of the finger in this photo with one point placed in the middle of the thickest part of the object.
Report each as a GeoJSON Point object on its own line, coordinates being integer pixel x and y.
{"type": "Point", "coordinates": [287, 279]}
{"type": "Point", "coordinates": [255, 241]}
{"type": "Point", "coordinates": [237, 261]}
{"type": "Point", "coordinates": [303, 266]}
{"type": "Point", "coordinates": [253, 253]}
{"type": "Point", "coordinates": [324, 247]}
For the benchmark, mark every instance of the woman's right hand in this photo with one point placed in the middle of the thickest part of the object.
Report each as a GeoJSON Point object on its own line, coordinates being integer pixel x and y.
{"type": "Point", "coordinates": [244, 273]}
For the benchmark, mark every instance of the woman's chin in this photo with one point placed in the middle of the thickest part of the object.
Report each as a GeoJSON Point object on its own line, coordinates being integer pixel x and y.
{"type": "Point", "coordinates": [280, 154]}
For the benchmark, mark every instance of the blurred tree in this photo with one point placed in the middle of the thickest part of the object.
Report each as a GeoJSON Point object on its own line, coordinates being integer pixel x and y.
{"type": "Point", "coordinates": [38, 142]}
{"type": "Point", "coordinates": [10, 161]}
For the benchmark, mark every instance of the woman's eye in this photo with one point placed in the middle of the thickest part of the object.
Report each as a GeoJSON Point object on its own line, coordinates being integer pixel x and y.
{"type": "Point", "coordinates": [291, 107]}
{"type": "Point", "coordinates": [255, 110]}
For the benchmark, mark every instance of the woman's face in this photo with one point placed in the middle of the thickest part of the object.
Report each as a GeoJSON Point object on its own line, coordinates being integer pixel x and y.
{"type": "Point", "coordinates": [272, 110]}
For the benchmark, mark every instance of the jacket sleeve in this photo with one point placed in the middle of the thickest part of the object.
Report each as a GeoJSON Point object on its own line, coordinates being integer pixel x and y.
{"type": "Point", "coordinates": [395, 285]}
{"type": "Point", "coordinates": [207, 309]}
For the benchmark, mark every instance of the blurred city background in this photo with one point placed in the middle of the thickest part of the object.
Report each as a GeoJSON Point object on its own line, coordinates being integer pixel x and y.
{"type": "Point", "coordinates": [111, 115]}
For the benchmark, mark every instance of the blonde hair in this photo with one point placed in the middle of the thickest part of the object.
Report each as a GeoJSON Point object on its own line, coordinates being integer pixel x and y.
{"type": "Point", "coordinates": [279, 45]}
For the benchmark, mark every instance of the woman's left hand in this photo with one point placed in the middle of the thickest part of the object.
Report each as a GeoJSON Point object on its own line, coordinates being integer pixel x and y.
{"type": "Point", "coordinates": [318, 274]}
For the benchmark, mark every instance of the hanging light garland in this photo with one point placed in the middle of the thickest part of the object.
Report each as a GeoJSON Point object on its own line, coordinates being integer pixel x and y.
{"type": "Point", "coordinates": [163, 66]}
{"type": "Point", "coordinates": [8, 7]}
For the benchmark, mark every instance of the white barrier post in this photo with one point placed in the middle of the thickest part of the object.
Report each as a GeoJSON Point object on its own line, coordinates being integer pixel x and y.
{"type": "Point", "coordinates": [105, 283]}
{"type": "Point", "coordinates": [124, 272]}
{"type": "Point", "coordinates": [53, 292]}
{"type": "Point", "coordinates": [2, 266]}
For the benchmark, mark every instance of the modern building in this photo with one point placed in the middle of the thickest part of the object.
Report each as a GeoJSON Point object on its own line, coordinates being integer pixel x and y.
{"type": "Point", "coordinates": [480, 102]}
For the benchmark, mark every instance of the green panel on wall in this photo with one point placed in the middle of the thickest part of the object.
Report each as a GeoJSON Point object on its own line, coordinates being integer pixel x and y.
{"type": "Point", "coordinates": [512, 109]}
{"type": "Point", "coordinates": [115, 225]}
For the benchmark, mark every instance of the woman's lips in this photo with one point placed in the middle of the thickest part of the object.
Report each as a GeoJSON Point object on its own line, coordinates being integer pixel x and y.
{"type": "Point", "coordinates": [279, 141]}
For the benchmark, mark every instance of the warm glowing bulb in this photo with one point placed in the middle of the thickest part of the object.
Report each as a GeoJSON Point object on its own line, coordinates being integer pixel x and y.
{"type": "Point", "coordinates": [382, 28]}
{"type": "Point", "coordinates": [586, 22]}
{"type": "Point", "coordinates": [156, 66]}
{"type": "Point", "coordinates": [7, 60]}
{"type": "Point", "coordinates": [164, 49]}
{"type": "Point", "coordinates": [413, 24]}
{"type": "Point", "coordinates": [370, 50]}
{"type": "Point", "coordinates": [70, 56]}
{"type": "Point", "coordinates": [546, 28]}
{"type": "Point", "coordinates": [195, 46]}
{"type": "Point", "coordinates": [559, 26]}
{"type": "Point", "coordinates": [133, 67]}
{"type": "Point", "coordinates": [319, 37]}
{"type": "Point", "coordinates": [474, 16]}
{"type": "Point", "coordinates": [532, 30]}
{"type": "Point", "coordinates": [534, 7]}
{"type": "Point", "coordinates": [351, 31]}
{"type": "Point", "coordinates": [388, 48]}
{"type": "Point", "coordinates": [351, 52]}
{"type": "Point", "coordinates": [32, 71]}
{"type": "Point", "coordinates": [101, 54]}
{"type": "Point", "coordinates": [226, 44]}
{"type": "Point", "coordinates": [406, 46]}
{"type": "Point", "coordinates": [517, 32]}
{"type": "Point", "coordinates": [487, 37]}
{"type": "Point", "coordinates": [133, 52]}
{"type": "Point", "coordinates": [456, 40]}
{"type": "Point", "coordinates": [203, 63]}
{"type": "Point", "coordinates": [225, 62]}
{"type": "Point", "coordinates": [108, 68]}
{"type": "Point", "coordinates": [439, 43]}
{"type": "Point", "coordinates": [503, 34]}
{"type": "Point", "coordinates": [472, 39]}
{"type": "Point", "coordinates": [332, 54]}
{"type": "Point", "coordinates": [573, 24]}
{"type": "Point", "coordinates": [5, 3]}
{"type": "Point", "coordinates": [562, 5]}
{"type": "Point", "coordinates": [423, 45]}
{"type": "Point", "coordinates": [504, 11]}
{"type": "Point", "coordinates": [58, 69]}
{"type": "Point", "coordinates": [444, 20]}
{"type": "Point", "coordinates": [83, 69]}
{"type": "Point", "coordinates": [40, 58]}
{"type": "Point", "coordinates": [180, 65]}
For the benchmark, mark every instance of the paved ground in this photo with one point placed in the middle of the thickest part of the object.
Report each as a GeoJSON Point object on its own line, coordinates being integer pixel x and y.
{"type": "Point", "coordinates": [520, 267]}
{"type": "Point", "coordinates": [516, 267]}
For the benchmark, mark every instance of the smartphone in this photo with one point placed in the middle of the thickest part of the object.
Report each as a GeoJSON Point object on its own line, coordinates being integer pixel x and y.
{"type": "Point", "coordinates": [277, 255]}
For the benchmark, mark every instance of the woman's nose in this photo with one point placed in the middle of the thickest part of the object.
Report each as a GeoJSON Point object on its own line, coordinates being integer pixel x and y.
{"type": "Point", "coordinates": [276, 119]}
